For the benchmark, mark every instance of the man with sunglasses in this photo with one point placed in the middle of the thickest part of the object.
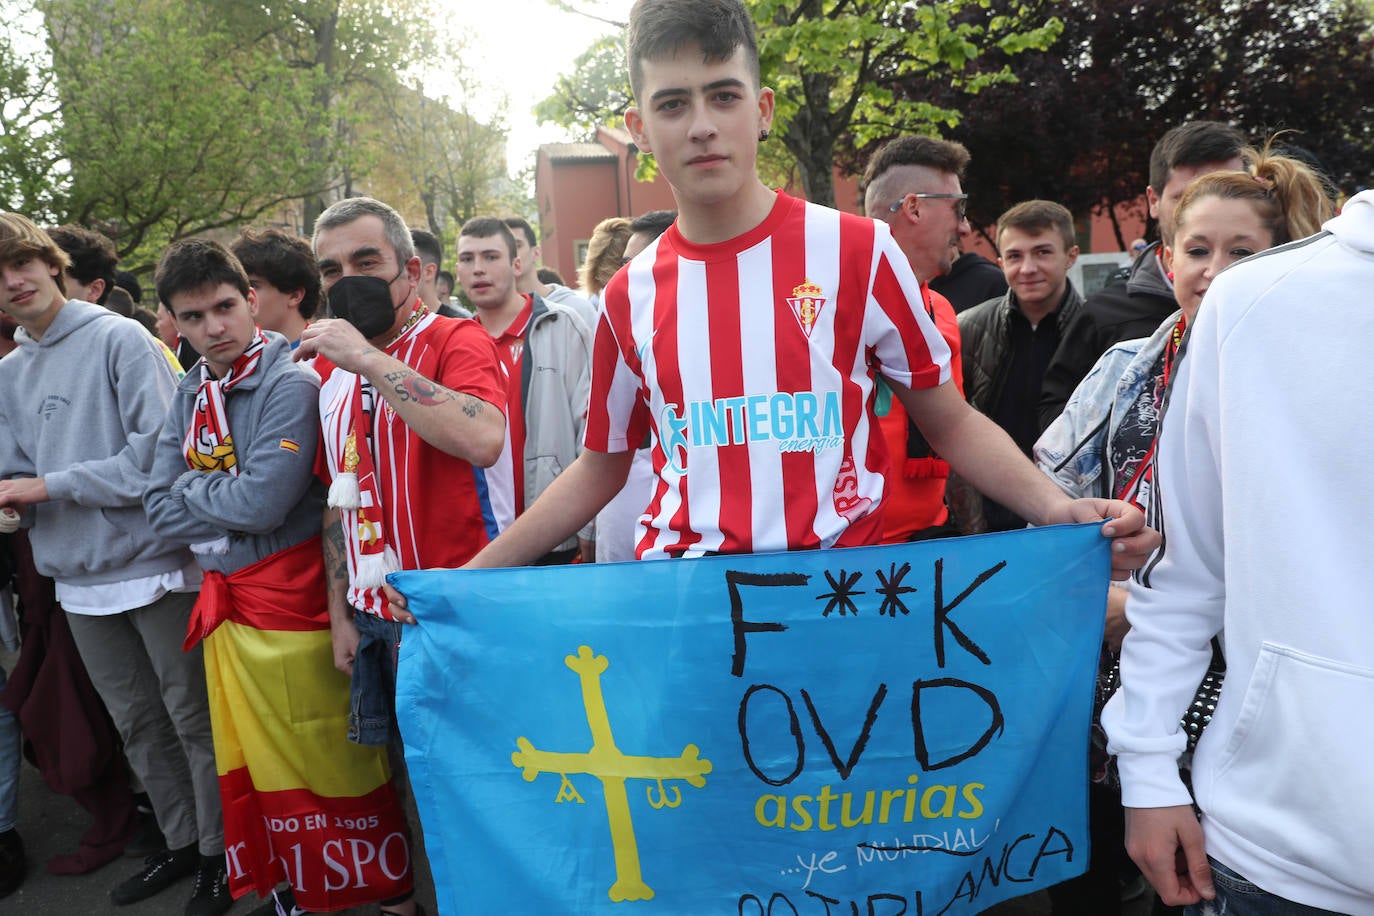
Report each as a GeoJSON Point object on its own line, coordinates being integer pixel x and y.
{"type": "Point", "coordinates": [912, 184]}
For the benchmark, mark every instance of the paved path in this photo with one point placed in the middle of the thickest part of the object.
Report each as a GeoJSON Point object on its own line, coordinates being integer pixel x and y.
{"type": "Point", "coordinates": [51, 823]}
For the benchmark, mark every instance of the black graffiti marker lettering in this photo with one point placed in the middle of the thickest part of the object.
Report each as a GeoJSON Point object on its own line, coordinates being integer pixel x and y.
{"type": "Point", "coordinates": [842, 595]}
{"type": "Point", "coordinates": [846, 767]}
{"type": "Point", "coordinates": [733, 580]}
{"type": "Point", "coordinates": [995, 727]}
{"type": "Point", "coordinates": [891, 588]}
{"type": "Point", "coordinates": [942, 612]}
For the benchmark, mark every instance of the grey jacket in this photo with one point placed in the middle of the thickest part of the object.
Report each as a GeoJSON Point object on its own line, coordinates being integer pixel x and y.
{"type": "Point", "coordinates": [82, 408]}
{"type": "Point", "coordinates": [571, 298]}
{"type": "Point", "coordinates": [555, 384]}
{"type": "Point", "coordinates": [275, 501]}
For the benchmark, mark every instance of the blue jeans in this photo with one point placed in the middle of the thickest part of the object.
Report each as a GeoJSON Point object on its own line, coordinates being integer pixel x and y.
{"type": "Point", "coordinates": [372, 699]}
{"type": "Point", "coordinates": [1237, 896]}
{"type": "Point", "coordinates": [9, 764]}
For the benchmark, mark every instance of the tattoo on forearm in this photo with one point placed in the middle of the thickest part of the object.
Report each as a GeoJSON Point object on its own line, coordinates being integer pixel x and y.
{"type": "Point", "coordinates": [410, 387]}
{"type": "Point", "coordinates": [471, 406]}
{"type": "Point", "coordinates": [336, 552]}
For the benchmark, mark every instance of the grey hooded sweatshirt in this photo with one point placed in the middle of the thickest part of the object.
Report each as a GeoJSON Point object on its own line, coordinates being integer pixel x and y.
{"type": "Point", "coordinates": [275, 501]}
{"type": "Point", "coordinates": [82, 408]}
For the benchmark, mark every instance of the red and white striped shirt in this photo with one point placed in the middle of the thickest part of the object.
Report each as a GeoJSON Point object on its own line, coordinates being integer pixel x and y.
{"type": "Point", "coordinates": [435, 507]}
{"type": "Point", "coordinates": [752, 362]}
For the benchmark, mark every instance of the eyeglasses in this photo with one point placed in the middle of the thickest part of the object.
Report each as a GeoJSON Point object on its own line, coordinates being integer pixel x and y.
{"type": "Point", "coordinates": [960, 209]}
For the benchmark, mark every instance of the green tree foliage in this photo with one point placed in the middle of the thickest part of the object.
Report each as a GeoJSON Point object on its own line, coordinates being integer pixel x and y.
{"type": "Point", "coordinates": [1079, 124]}
{"type": "Point", "coordinates": [342, 53]}
{"type": "Point", "coordinates": [595, 94]}
{"type": "Point", "coordinates": [32, 169]}
{"type": "Point", "coordinates": [438, 158]}
{"type": "Point", "coordinates": [831, 64]}
{"type": "Point", "coordinates": [156, 119]}
{"type": "Point", "coordinates": [171, 122]}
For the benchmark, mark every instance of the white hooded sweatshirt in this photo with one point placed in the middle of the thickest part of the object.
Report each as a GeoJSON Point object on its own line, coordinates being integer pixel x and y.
{"type": "Point", "coordinates": [1266, 481]}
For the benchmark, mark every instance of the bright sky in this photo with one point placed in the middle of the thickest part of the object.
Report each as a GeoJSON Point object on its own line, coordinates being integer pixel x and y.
{"type": "Point", "coordinates": [520, 47]}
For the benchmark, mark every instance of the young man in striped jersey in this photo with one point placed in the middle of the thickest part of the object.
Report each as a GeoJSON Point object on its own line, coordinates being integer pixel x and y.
{"type": "Point", "coordinates": [746, 340]}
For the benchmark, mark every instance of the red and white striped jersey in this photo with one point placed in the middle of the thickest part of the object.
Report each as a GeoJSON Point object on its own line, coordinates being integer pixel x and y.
{"type": "Point", "coordinates": [752, 362]}
{"type": "Point", "coordinates": [435, 507]}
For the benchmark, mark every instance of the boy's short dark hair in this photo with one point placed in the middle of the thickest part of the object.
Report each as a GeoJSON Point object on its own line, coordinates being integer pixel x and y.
{"type": "Point", "coordinates": [1036, 216]}
{"type": "Point", "coordinates": [147, 318]}
{"type": "Point", "coordinates": [661, 28]}
{"type": "Point", "coordinates": [484, 227]}
{"type": "Point", "coordinates": [518, 224]}
{"type": "Point", "coordinates": [1193, 143]}
{"type": "Point", "coordinates": [93, 256]}
{"type": "Point", "coordinates": [21, 238]}
{"type": "Point", "coordinates": [191, 264]}
{"type": "Point", "coordinates": [129, 283]}
{"type": "Point", "coordinates": [283, 259]}
{"type": "Point", "coordinates": [427, 247]}
{"type": "Point", "coordinates": [120, 302]}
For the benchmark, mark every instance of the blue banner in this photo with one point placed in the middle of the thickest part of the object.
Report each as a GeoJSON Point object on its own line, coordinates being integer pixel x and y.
{"type": "Point", "coordinates": [879, 730]}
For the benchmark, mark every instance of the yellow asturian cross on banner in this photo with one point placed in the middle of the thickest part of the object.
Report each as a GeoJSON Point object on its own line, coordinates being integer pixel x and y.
{"type": "Point", "coordinates": [606, 762]}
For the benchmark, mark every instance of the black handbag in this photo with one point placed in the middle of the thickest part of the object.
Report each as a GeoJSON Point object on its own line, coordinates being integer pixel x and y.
{"type": "Point", "coordinates": [1199, 713]}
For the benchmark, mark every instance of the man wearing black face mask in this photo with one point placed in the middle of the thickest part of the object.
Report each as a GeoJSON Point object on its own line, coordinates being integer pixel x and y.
{"type": "Point", "coordinates": [411, 410]}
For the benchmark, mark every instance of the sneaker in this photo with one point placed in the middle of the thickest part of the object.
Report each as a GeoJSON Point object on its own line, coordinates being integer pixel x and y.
{"type": "Point", "coordinates": [281, 903]}
{"type": "Point", "coordinates": [160, 871]}
{"type": "Point", "coordinates": [13, 865]}
{"type": "Point", "coordinates": [210, 896]}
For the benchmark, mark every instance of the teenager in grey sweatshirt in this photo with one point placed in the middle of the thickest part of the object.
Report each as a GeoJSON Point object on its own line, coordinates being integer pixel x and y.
{"type": "Point", "coordinates": [81, 403]}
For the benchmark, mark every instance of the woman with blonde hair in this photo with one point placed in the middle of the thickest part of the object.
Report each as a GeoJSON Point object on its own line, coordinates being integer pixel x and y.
{"type": "Point", "coordinates": [604, 254]}
{"type": "Point", "coordinates": [1103, 444]}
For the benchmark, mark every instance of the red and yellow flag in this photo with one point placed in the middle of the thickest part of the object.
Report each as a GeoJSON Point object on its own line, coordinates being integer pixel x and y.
{"type": "Point", "coordinates": [301, 802]}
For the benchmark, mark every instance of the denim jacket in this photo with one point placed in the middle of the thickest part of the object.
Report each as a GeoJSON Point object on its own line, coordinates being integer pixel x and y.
{"type": "Point", "coordinates": [1074, 449]}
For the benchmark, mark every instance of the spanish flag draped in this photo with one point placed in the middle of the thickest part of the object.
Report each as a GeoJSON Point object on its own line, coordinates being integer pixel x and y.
{"type": "Point", "coordinates": [301, 803]}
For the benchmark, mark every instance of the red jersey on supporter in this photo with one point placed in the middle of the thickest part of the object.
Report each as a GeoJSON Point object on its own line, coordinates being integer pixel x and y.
{"type": "Point", "coordinates": [436, 509]}
{"type": "Point", "coordinates": [752, 362]}
{"type": "Point", "coordinates": [916, 488]}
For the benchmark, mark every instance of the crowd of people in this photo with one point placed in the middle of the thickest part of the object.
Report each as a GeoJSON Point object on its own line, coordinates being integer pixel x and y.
{"type": "Point", "coordinates": [200, 512]}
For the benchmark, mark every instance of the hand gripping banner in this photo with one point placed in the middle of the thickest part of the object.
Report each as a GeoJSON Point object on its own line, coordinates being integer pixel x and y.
{"type": "Point", "coordinates": [894, 731]}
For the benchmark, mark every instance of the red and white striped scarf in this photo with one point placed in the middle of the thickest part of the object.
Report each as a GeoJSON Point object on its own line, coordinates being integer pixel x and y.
{"type": "Point", "coordinates": [348, 445]}
{"type": "Point", "coordinates": [208, 445]}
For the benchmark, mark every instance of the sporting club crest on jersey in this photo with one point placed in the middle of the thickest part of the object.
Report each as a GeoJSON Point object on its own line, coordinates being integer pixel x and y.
{"type": "Point", "coordinates": [807, 301]}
